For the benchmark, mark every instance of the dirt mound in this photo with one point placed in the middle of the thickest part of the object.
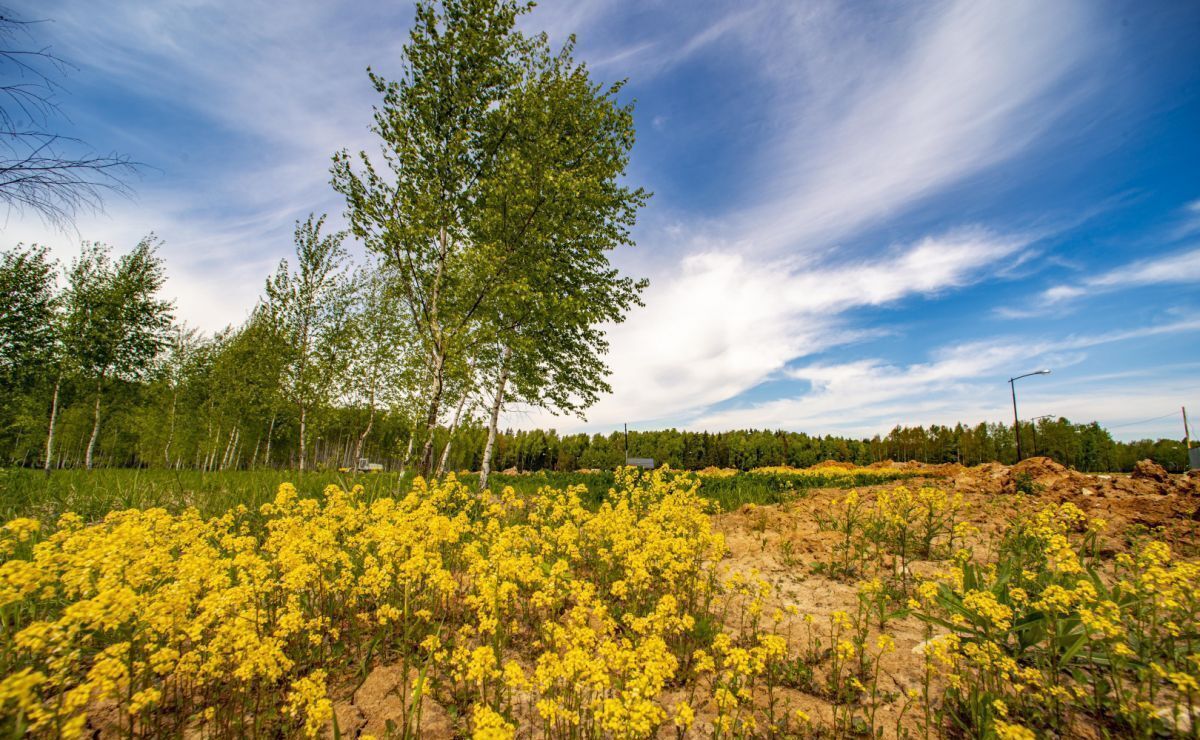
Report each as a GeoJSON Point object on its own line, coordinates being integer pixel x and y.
{"type": "Point", "coordinates": [945, 470]}
{"type": "Point", "coordinates": [1035, 475]}
{"type": "Point", "coordinates": [986, 478]}
{"type": "Point", "coordinates": [833, 464]}
{"type": "Point", "coordinates": [882, 464]}
{"type": "Point", "coordinates": [1150, 470]}
{"type": "Point", "coordinates": [1040, 466]}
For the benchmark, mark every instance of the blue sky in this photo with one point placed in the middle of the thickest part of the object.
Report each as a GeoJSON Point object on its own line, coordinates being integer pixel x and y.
{"type": "Point", "coordinates": [865, 214]}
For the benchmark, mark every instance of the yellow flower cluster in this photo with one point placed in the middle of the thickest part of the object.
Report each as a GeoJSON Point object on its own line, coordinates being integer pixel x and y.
{"type": "Point", "coordinates": [515, 610]}
{"type": "Point", "coordinates": [1045, 631]}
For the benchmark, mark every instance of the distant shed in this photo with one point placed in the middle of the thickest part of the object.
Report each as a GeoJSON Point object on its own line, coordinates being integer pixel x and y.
{"type": "Point", "coordinates": [645, 463]}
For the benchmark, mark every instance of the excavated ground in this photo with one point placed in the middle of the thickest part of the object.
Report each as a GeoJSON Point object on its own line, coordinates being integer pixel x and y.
{"type": "Point", "coordinates": [782, 543]}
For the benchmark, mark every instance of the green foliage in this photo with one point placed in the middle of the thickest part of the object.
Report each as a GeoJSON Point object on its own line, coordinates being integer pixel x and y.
{"type": "Point", "coordinates": [28, 304]}
{"type": "Point", "coordinates": [309, 309]}
{"type": "Point", "coordinates": [115, 323]}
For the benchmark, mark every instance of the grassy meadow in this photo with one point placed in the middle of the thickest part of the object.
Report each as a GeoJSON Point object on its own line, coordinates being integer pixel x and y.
{"type": "Point", "coordinates": [92, 494]}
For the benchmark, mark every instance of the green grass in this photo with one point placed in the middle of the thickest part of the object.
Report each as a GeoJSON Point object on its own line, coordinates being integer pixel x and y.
{"type": "Point", "coordinates": [33, 493]}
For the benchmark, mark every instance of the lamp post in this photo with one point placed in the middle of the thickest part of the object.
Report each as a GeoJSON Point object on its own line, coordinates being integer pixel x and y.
{"type": "Point", "coordinates": [1012, 384]}
{"type": "Point", "coordinates": [1033, 429]}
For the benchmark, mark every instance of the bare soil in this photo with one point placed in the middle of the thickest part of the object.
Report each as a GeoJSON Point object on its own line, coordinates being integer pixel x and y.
{"type": "Point", "coordinates": [783, 542]}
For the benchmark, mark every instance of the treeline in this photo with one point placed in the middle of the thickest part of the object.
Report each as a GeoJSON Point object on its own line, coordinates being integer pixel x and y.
{"type": "Point", "coordinates": [1086, 447]}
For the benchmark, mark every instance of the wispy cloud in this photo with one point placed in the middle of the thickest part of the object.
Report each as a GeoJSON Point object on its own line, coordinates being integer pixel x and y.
{"type": "Point", "coordinates": [966, 382]}
{"type": "Point", "coordinates": [1180, 267]}
{"type": "Point", "coordinates": [724, 322]}
{"type": "Point", "coordinates": [975, 85]}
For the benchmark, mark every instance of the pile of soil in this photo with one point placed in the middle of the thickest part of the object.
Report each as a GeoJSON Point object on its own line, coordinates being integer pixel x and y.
{"type": "Point", "coordinates": [1150, 470]}
{"type": "Point", "coordinates": [833, 464]}
{"type": "Point", "coordinates": [1045, 477]}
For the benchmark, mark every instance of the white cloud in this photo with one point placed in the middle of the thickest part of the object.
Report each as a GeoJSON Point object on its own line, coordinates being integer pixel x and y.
{"type": "Point", "coordinates": [279, 87]}
{"type": "Point", "coordinates": [873, 134]}
{"type": "Point", "coordinates": [724, 323]}
{"type": "Point", "coordinates": [1182, 267]}
{"type": "Point", "coordinates": [967, 382]}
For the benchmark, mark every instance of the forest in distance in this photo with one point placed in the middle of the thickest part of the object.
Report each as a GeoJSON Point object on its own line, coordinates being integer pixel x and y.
{"type": "Point", "coordinates": [136, 389]}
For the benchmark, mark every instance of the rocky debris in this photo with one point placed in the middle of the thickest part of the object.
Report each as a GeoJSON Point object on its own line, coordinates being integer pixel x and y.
{"type": "Point", "coordinates": [1150, 470]}
{"type": "Point", "coordinates": [1045, 477]}
{"type": "Point", "coordinates": [350, 721]}
{"type": "Point", "coordinates": [383, 703]}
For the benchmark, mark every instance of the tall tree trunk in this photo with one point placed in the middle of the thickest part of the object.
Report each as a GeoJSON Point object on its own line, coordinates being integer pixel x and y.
{"type": "Point", "coordinates": [303, 429]}
{"type": "Point", "coordinates": [270, 433]}
{"type": "Point", "coordinates": [407, 454]}
{"type": "Point", "coordinates": [53, 418]}
{"type": "Point", "coordinates": [358, 443]}
{"type": "Point", "coordinates": [230, 448]}
{"type": "Point", "coordinates": [435, 407]}
{"type": "Point", "coordinates": [441, 468]}
{"type": "Point", "coordinates": [497, 403]}
{"type": "Point", "coordinates": [91, 447]}
{"type": "Point", "coordinates": [170, 430]}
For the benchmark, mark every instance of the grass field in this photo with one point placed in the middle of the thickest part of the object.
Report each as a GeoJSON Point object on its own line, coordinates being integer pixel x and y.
{"type": "Point", "coordinates": [91, 495]}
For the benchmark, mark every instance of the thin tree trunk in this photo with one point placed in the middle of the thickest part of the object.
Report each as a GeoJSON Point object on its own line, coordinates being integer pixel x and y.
{"type": "Point", "coordinates": [497, 403]}
{"type": "Point", "coordinates": [91, 447]}
{"type": "Point", "coordinates": [170, 430]}
{"type": "Point", "coordinates": [407, 454]}
{"type": "Point", "coordinates": [270, 433]}
{"type": "Point", "coordinates": [362, 438]}
{"type": "Point", "coordinates": [230, 447]}
{"type": "Point", "coordinates": [303, 428]}
{"type": "Point", "coordinates": [210, 460]}
{"type": "Point", "coordinates": [50, 431]}
{"type": "Point", "coordinates": [435, 406]}
{"type": "Point", "coordinates": [228, 450]}
{"type": "Point", "coordinates": [453, 425]}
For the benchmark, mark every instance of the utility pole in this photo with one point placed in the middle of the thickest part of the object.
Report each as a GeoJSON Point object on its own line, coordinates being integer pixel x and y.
{"type": "Point", "coordinates": [1016, 419]}
{"type": "Point", "coordinates": [1012, 383]}
{"type": "Point", "coordinates": [1187, 435]}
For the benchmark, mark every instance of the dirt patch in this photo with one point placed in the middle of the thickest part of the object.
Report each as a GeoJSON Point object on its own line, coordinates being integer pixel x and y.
{"type": "Point", "coordinates": [383, 704]}
{"type": "Point", "coordinates": [784, 544]}
{"type": "Point", "coordinates": [1150, 470]}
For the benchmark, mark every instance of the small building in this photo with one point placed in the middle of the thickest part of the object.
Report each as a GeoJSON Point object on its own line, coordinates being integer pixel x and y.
{"type": "Point", "coordinates": [645, 463]}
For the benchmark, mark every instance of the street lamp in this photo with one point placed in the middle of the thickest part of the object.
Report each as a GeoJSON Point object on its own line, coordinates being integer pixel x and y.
{"type": "Point", "coordinates": [1033, 429]}
{"type": "Point", "coordinates": [1012, 383]}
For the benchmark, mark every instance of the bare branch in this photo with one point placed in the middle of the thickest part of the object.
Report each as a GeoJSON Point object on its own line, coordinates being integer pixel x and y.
{"type": "Point", "coordinates": [41, 171]}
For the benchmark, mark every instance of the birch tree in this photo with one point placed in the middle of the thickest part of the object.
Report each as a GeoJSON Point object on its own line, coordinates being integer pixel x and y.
{"type": "Point", "coordinates": [381, 370]}
{"type": "Point", "coordinates": [29, 331]}
{"type": "Point", "coordinates": [115, 323]}
{"type": "Point", "coordinates": [552, 208]}
{"type": "Point", "coordinates": [433, 125]}
{"type": "Point", "coordinates": [308, 307]}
